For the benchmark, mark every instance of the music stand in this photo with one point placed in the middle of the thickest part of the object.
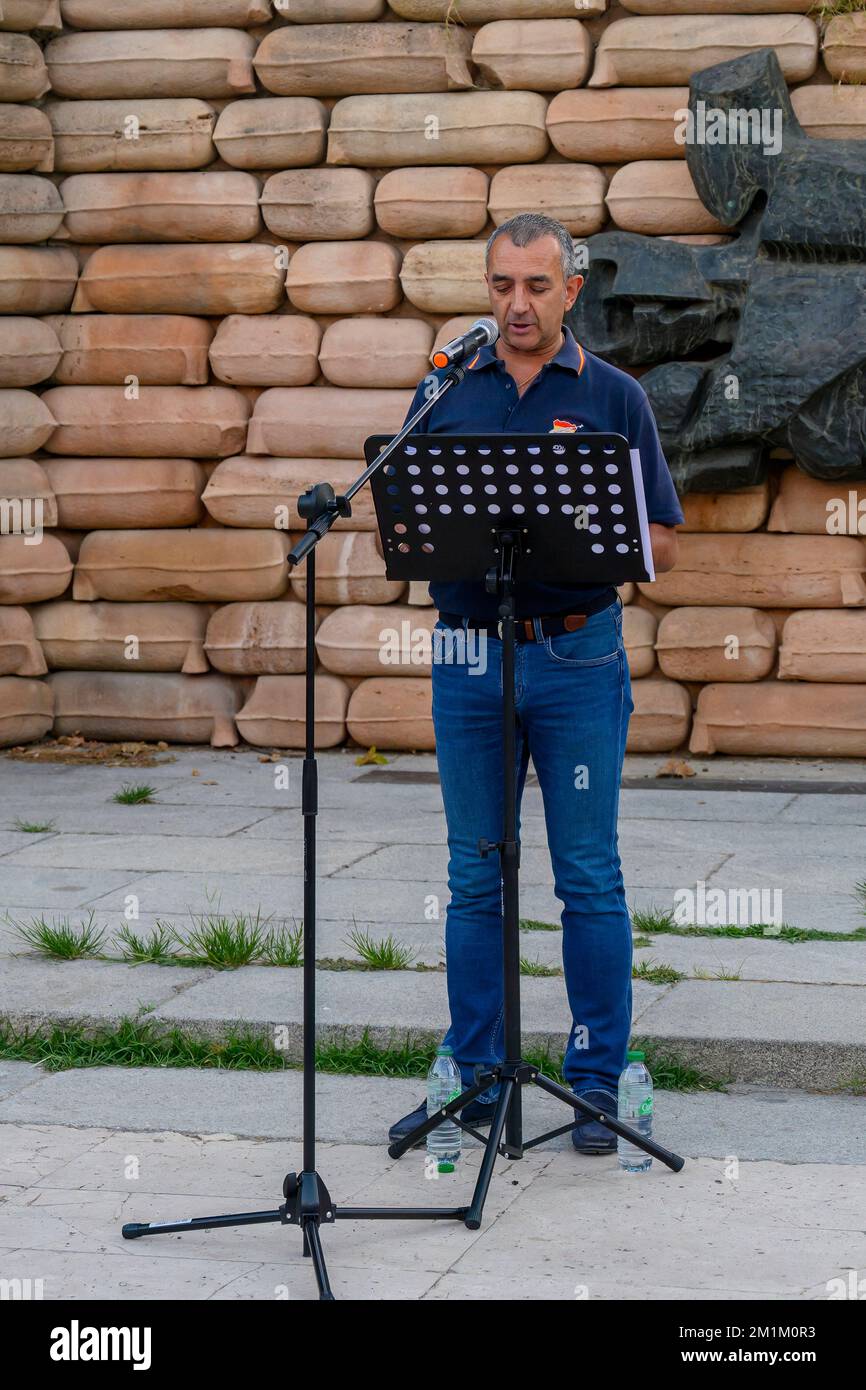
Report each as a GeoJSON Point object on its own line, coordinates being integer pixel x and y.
{"type": "Point", "coordinates": [555, 507]}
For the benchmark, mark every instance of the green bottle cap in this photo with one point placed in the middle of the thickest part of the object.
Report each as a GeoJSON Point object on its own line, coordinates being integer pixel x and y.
{"type": "Point", "coordinates": [446, 1167]}
{"type": "Point", "coordinates": [635, 1056]}
{"type": "Point", "coordinates": [445, 1052]}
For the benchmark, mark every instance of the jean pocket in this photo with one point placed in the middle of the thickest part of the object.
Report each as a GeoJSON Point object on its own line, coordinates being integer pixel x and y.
{"type": "Point", "coordinates": [597, 643]}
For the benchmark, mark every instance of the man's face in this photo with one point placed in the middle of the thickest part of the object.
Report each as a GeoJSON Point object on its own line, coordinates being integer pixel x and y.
{"type": "Point", "coordinates": [528, 294]}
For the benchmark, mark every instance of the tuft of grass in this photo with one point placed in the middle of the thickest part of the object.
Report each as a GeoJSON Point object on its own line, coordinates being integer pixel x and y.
{"type": "Point", "coordinates": [225, 940]}
{"type": "Point", "coordinates": [284, 946]}
{"type": "Point", "coordinates": [669, 1073]}
{"type": "Point", "coordinates": [854, 1085]}
{"type": "Point", "coordinates": [155, 949]}
{"type": "Point", "coordinates": [529, 924]}
{"type": "Point", "coordinates": [410, 1057]}
{"type": "Point", "coordinates": [535, 967]}
{"type": "Point", "coordinates": [656, 974]}
{"type": "Point", "coordinates": [639, 941]}
{"type": "Point", "coordinates": [721, 974]}
{"type": "Point", "coordinates": [135, 795]}
{"type": "Point", "coordinates": [30, 827]}
{"type": "Point", "coordinates": [59, 939]}
{"type": "Point", "coordinates": [384, 954]}
{"type": "Point", "coordinates": [651, 919]}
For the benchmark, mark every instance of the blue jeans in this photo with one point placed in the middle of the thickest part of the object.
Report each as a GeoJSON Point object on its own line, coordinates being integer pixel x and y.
{"type": "Point", "coordinates": [573, 699]}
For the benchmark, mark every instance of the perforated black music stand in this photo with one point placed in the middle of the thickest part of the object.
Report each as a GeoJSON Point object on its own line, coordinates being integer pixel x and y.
{"type": "Point", "coordinates": [557, 508]}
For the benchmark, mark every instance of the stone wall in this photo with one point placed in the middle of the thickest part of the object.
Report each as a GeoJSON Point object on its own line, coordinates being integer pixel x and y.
{"type": "Point", "coordinates": [230, 235]}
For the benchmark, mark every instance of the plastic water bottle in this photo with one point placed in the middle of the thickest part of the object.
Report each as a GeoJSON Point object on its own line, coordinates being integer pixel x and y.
{"type": "Point", "coordinates": [443, 1084]}
{"type": "Point", "coordinates": [635, 1108]}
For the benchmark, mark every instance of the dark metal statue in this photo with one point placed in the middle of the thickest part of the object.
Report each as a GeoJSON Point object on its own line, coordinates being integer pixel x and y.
{"type": "Point", "coordinates": [760, 342]}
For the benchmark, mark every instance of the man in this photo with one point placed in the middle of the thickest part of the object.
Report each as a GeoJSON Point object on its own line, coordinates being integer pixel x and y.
{"type": "Point", "coordinates": [571, 683]}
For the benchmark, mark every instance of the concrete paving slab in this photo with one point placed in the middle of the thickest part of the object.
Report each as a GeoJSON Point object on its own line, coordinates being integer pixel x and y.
{"type": "Point", "coordinates": [35, 989]}
{"type": "Point", "coordinates": [400, 825]}
{"type": "Point", "coordinates": [176, 852]}
{"type": "Point", "coordinates": [13, 840]}
{"type": "Point", "coordinates": [76, 1275]}
{"type": "Point", "coordinates": [32, 1151]}
{"type": "Point", "coordinates": [726, 837]}
{"type": "Point", "coordinates": [58, 889]}
{"type": "Point", "coordinates": [643, 866]}
{"type": "Point", "coordinates": [745, 1122]}
{"type": "Point", "coordinates": [104, 817]}
{"type": "Point", "coordinates": [339, 899]}
{"type": "Point", "coordinates": [539, 1238]}
{"type": "Point", "coordinates": [665, 1223]}
{"type": "Point", "coordinates": [820, 809]}
{"type": "Point", "coordinates": [764, 1011]}
{"type": "Point", "coordinates": [805, 962]}
{"type": "Point", "coordinates": [364, 1282]}
{"type": "Point", "coordinates": [776, 1034]}
{"type": "Point", "coordinates": [512, 1286]}
{"type": "Point", "coordinates": [793, 869]}
{"type": "Point", "coordinates": [736, 806]}
{"type": "Point", "coordinates": [141, 1164]}
{"type": "Point", "coordinates": [382, 1002]}
{"type": "Point", "coordinates": [748, 771]}
{"type": "Point", "coordinates": [17, 1076]}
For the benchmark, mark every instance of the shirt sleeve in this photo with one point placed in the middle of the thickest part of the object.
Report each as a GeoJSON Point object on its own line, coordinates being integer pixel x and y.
{"type": "Point", "coordinates": [662, 502]}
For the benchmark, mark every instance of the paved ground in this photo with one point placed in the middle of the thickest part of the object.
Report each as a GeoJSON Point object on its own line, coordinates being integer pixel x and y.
{"type": "Point", "coordinates": [749, 1216]}
{"type": "Point", "coordinates": [769, 1204]}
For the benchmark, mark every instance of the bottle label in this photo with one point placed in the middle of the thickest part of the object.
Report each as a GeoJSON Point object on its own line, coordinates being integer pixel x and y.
{"type": "Point", "coordinates": [646, 1106]}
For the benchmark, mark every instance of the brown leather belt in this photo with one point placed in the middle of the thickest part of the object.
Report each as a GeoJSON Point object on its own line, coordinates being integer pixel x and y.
{"type": "Point", "coordinates": [552, 624]}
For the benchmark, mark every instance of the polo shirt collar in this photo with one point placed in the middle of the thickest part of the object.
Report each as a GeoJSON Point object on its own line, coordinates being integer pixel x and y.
{"type": "Point", "coordinates": [570, 356]}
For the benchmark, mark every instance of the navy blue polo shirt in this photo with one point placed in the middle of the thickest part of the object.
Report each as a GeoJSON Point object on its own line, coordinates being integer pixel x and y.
{"type": "Point", "coordinates": [574, 387]}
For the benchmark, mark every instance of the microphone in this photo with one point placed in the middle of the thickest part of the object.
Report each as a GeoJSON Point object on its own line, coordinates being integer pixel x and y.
{"type": "Point", "coordinates": [483, 333]}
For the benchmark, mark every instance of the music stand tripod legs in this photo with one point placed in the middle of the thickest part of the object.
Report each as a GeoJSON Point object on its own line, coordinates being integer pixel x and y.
{"type": "Point", "coordinates": [514, 1073]}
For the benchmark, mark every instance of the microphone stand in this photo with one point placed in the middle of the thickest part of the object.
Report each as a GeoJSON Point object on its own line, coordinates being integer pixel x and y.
{"type": "Point", "coordinates": [307, 1201]}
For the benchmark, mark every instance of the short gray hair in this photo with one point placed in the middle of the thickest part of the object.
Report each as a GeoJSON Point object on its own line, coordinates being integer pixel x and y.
{"type": "Point", "coordinates": [529, 226]}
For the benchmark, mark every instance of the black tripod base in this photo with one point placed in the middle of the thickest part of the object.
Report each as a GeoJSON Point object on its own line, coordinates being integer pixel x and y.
{"type": "Point", "coordinates": [308, 1205]}
{"type": "Point", "coordinates": [508, 1121]}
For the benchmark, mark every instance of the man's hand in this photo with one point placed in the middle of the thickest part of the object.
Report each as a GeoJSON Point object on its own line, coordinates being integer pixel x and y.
{"type": "Point", "coordinates": [665, 546]}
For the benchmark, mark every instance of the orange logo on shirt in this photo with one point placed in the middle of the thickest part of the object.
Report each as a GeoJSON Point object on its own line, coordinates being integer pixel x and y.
{"type": "Point", "coordinates": [563, 427]}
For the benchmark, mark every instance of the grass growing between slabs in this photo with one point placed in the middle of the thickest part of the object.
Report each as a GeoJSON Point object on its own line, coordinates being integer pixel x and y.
{"type": "Point", "coordinates": [652, 921]}
{"type": "Point", "coordinates": [222, 942]}
{"type": "Point", "coordinates": [137, 794]}
{"type": "Point", "coordinates": [217, 940]}
{"type": "Point", "coordinates": [59, 939]}
{"type": "Point", "coordinates": [139, 1043]}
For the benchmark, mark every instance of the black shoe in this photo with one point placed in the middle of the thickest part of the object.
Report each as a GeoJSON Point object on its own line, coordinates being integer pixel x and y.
{"type": "Point", "coordinates": [588, 1136]}
{"type": "Point", "coordinates": [477, 1112]}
